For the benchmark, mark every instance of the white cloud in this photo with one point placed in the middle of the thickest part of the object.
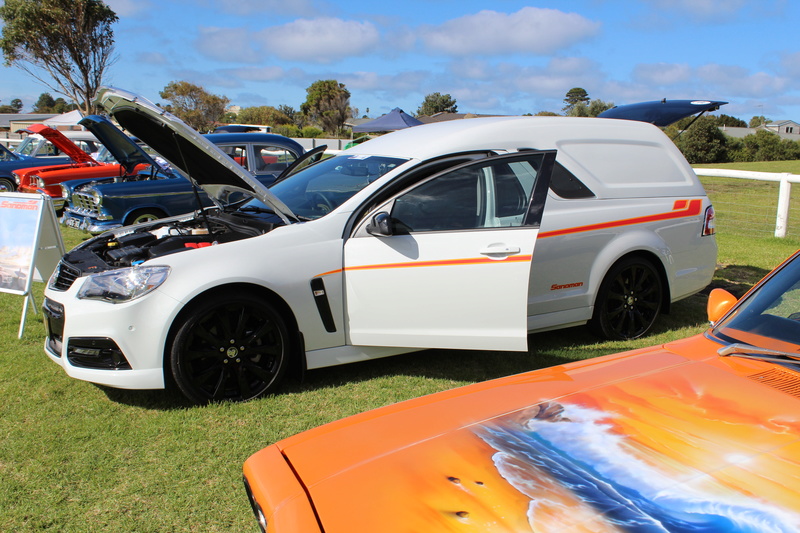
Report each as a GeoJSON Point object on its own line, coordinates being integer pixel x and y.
{"type": "Point", "coordinates": [661, 74]}
{"type": "Point", "coordinates": [530, 30]}
{"type": "Point", "coordinates": [130, 8]}
{"type": "Point", "coordinates": [266, 8]}
{"type": "Point", "coordinates": [231, 45]}
{"type": "Point", "coordinates": [737, 81]}
{"type": "Point", "coordinates": [321, 40]}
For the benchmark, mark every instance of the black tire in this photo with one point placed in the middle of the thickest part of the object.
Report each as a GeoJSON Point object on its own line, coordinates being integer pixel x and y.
{"type": "Point", "coordinates": [7, 184]}
{"type": "Point", "coordinates": [143, 215]}
{"type": "Point", "coordinates": [629, 300]}
{"type": "Point", "coordinates": [232, 347]}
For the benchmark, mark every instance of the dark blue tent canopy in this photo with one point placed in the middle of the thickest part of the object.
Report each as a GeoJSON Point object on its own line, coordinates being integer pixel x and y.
{"type": "Point", "coordinates": [396, 119]}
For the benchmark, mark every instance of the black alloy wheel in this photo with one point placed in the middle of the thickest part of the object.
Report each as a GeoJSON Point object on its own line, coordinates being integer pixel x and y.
{"type": "Point", "coordinates": [233, 347]}
{"type": "Point", "coordinates": [629, 300]}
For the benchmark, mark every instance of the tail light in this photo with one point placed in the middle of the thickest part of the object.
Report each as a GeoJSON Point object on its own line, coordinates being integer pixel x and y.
{"type": "Point", "coordinates": [709, 225]}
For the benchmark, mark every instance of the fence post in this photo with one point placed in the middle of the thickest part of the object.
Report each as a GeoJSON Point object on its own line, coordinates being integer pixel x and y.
{"type": "Point", "coordinates": [784, 196]}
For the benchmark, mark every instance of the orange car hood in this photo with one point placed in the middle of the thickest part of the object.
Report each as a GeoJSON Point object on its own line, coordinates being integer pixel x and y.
{"type": "Point", "coordinates": [62, 142]}
{"type": "Point", "coordinates": [652, 440]}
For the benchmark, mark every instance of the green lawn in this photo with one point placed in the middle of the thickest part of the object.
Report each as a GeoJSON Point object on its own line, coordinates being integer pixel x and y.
{"type": "Point", "coordinates": [78, 457]}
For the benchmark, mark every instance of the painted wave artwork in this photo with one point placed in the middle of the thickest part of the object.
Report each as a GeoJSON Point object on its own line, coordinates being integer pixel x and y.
{"type": "Point", "coordinates": [579, 467]}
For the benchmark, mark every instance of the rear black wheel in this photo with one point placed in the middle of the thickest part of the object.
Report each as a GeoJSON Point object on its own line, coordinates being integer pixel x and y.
{"type": "Point", "coordinates": [230, 348]}
{"type": "Point", "coordinates": [629, 300]}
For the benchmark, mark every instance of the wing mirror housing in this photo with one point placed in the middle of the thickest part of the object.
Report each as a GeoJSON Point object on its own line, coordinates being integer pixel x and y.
{"type": "Point", "coordinates": [381, 225]}
{"type": "Point", "coordinates": [720, 302]}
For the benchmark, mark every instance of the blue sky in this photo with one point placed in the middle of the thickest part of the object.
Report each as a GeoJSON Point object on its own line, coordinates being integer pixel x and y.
{"type": "Point", "coordinates": [503, 57]}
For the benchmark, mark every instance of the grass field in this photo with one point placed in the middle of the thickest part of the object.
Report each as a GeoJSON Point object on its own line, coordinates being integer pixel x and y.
{"type": "Point", "coordinates": [78, 457]}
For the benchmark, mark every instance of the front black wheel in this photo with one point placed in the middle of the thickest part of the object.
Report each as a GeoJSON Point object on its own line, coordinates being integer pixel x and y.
{"type": "Point", "coordinates": [230, 348]}
{"type": "Point", "coordinates": [629, 300]}
{"type": "Point", "coordinates": [7, 185]}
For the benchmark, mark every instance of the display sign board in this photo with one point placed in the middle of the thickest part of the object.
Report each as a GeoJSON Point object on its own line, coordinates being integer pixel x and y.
{"type": "Point", "coordinates": [30, 244]}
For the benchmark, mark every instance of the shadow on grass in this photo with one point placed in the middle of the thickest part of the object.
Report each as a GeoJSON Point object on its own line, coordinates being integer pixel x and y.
{"type": "Point", "coordinates": [466, 366]}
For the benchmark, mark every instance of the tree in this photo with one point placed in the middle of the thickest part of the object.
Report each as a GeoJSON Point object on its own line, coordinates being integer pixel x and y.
{"type": "Point", "coordinates": [575, 96]}
{"type": "Point", "coordinates": [66, 44]}
{"type": "Point", "coordinates": [731, 122]}
{"type": "Point", "coordinates": [44, 104]}
{"type": "Point", "coordinates": [704, 142]}
{"type": "Point", "coordinates": [192, 104]}
{"type": "Point", "coordinates": [265, 115]}
{"type": "Point", "coordinates": [14, 107]}
{"type": "Point", "coordinates": [758, 121]}
{"type": "Point", "coordinates": [597, 106]}
{"type": "Point", "coordinates": [437, 103]}
{"type": "Point", "coordinates": [327, 104]}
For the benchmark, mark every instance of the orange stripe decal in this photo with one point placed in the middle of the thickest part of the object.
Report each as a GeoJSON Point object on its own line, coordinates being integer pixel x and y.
{"type": "Point", "coordinates": [446, 262]}
{"type": "Point", "coordinates": [680, 209]}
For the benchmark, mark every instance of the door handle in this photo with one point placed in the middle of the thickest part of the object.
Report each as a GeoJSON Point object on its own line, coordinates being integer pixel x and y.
{"type": "Point", "coordinates": [499, 251]}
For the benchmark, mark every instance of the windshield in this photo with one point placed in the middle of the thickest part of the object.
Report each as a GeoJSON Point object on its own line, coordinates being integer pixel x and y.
{"type": "Point", "coordinates": [770, 316]}
{"type": "Point", "coordinates": [28, 145]}
{"type": "Point", "coordinates": [320, 188]}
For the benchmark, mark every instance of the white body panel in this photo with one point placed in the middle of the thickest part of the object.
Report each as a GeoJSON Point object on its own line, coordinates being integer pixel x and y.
{"type": "Point", "coordinates": [436, 289]}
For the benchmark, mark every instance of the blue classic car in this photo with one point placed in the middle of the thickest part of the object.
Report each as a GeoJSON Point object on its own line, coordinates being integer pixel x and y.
{"type": "Point", "coordinates": [99, 205]}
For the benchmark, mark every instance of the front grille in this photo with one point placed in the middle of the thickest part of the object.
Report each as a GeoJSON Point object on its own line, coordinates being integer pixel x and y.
{"type": "Point", "coordinates": [85, 204]}
{"type": "Point", "coordinates": [64, 276]}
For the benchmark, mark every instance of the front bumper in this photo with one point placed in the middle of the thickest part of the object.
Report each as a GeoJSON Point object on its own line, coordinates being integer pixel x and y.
{"type": "Point", "coordinates": [117, 345]}
{"type": "Point", "coordinates": [87, 224]}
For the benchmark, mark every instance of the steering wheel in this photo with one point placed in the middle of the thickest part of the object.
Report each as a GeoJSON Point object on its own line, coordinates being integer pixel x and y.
{"type": "Point", "coordinates": [320, 202]}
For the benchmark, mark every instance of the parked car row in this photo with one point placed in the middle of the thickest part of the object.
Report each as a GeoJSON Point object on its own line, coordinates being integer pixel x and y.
{"type": "Point", "coordinates": [38, 149]}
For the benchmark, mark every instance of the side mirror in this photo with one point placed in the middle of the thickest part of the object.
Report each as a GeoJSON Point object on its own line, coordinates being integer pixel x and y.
{"type": "Point", "coordinates": [381, 225]}
{"type": "Point", "coordinates": [720, 302]}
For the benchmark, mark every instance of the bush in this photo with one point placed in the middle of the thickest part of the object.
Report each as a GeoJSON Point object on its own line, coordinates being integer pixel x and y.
{"type": "Point", "coordinates": [312, 132]}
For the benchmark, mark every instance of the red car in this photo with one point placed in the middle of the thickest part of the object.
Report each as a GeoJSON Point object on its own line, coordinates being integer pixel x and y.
{"type": "Point", "coordinates": [48, 179]}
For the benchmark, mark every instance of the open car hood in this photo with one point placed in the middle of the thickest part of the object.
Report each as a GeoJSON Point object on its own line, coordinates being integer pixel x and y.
{"type": "Point", "coordinates": [661, 113]}
{"type": "Point", "coordinates": [123, 148]}
{"type": "Point", "coordinates": [205, 164]}
{"type": "Point", "coordinates": [61, 142]}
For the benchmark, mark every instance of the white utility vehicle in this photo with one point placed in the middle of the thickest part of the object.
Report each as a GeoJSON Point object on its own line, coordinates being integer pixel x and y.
{"type": "Point", "coordinates": [467, 234]}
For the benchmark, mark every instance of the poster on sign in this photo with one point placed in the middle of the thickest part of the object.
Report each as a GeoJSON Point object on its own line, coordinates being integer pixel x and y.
{"type": "Point", "coordinates": [30, 244]}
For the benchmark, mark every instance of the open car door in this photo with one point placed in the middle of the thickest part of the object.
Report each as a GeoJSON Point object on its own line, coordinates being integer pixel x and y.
{"type": "Point", "coordinates": [446, 262]}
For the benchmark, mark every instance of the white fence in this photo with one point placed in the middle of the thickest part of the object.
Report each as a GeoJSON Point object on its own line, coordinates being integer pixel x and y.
{"type": "Point", "coordinates": [763, 198]}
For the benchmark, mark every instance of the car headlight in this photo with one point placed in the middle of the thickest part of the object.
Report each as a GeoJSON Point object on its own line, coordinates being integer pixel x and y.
{"type": "Point", "coordinates": [64, 191]}
{"type": "Point", "coordinates": [16, 177]}
{"type": "Point", "coordinates": [124, 284]}
{"type": "Point", "coordinates": [36, 181]}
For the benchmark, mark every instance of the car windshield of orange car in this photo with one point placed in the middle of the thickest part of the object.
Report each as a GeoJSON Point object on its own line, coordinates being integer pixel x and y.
{"type": "Point", "coordinates": [768, 317]}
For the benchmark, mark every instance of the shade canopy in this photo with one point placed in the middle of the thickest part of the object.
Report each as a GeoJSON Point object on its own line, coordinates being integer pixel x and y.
{"type": "Point", "coordinates": [396, 119]}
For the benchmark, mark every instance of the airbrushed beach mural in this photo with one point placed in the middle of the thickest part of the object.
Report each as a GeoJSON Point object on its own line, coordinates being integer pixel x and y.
{"type": "Point", "coordinates": [655, 455]}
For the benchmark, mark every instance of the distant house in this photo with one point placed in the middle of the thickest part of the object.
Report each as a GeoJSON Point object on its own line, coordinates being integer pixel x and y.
{"type": "Point", "coordinates": [783, 126]}
{"type": "Point", "coordinates": [14, 121]}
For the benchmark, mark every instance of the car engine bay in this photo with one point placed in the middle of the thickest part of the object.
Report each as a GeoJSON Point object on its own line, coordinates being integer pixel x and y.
{"type": "Point", "coordinates": [134, 245]}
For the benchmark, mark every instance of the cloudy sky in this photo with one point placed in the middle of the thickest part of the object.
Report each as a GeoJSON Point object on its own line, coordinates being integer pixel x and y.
{"type": "Point", "coordinates": [504, 56]}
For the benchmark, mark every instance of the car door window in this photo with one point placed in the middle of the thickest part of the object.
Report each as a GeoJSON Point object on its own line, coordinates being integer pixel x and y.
{"type": "Point", "coordinates": [483, 195]}
{"type": "Point", "coordinates": [237, 152]}
{"type": "Point", "coordinates": [272, 158]}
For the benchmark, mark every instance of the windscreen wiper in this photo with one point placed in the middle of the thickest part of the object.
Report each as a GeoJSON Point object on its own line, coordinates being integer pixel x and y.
{"type": "Point", "coordinates": [749, 351]}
